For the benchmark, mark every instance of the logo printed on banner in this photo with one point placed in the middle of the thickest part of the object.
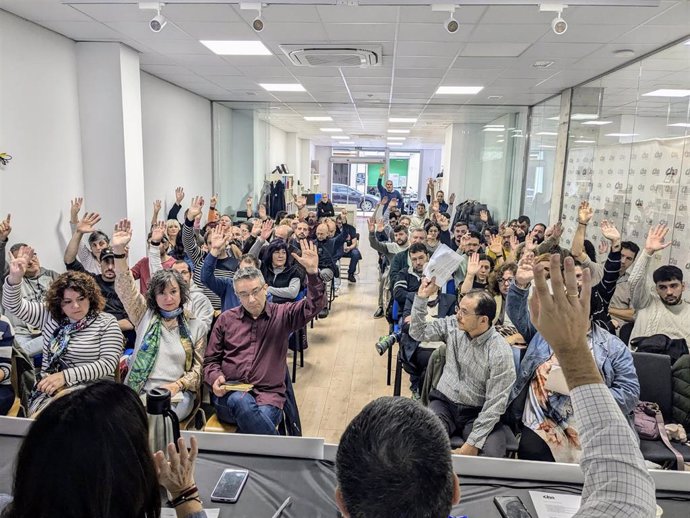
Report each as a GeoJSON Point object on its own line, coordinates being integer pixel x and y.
{"type": "Point", "coordinates": [656, 171]}
{"type": "Point", "coordinates": [631, 171]}
{"type": "Point", "coordinates": [612, 157]}
{"type": "Point", "coordinates": [679, 225]}
{"type": "Point", "coordinates": [669, 188]}
{"type": "Point", "coordinates": [643, 171]}
{"type": "Point", "coordinates": [675, 243]}
{"type": "Point", "coordinates": [640, 188]}
{"type": "Point", "coordinates": [645, 156]}
{"type": "Point", "coordinates": [658, 154]}
{"type": "Point", "coordinates": [666, 205]}
{"type": "Point", "coordinates": [614, 213]}
{"type": "Point", "coordinates": [671, 171]}
{"type": "Point", "coordinates": [608, 185]}
{"type": "Point", "coordinates": [672, 261]}
{"type": "Point", "coordinates": [687, 266]}
{"type": "Point", "coordinates": [638, 202]}
{"type": "Point", "coordinates": [635, 233]}
{"type": "Point", "coordinates": [619, 185]}
{"type": "Point", "coordinates": [684, 189]}
{"type": "Point", "coordinates": [687, 172]}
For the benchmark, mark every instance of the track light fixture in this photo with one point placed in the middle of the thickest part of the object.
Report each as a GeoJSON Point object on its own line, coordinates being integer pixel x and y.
{"type": "Point", "coordinates": [258, 22]}
{"type": "Point", "coordinates": [157, 22]}
{"type": "Point", "coordinates": [558, 24]}
{"type": "Point", "coordinates": [451, 24]}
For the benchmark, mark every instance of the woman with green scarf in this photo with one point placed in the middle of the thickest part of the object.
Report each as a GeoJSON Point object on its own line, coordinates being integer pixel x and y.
{"type": "Point", "coordinates": [170, 342]}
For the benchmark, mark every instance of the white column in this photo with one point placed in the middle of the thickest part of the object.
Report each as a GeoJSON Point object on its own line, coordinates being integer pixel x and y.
{"type": "Point", "coordinates": [111, 133]}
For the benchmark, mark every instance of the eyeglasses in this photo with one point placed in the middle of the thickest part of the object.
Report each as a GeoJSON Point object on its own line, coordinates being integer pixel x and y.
{"type": "Point", "coordinates": [464, 313]}
{"type": "Point", "coordinates": [253, 294]}
{"type": "Point", "coordinates": [506, 280]}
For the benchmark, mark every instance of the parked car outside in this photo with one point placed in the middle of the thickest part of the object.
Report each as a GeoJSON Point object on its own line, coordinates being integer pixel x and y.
{"type": "Point", "coordinates": [344, 194]}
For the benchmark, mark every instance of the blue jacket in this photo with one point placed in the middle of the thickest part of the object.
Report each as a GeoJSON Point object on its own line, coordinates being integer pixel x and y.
{"type": "Point", "coordinates": [221, 286]}
{"type": "Point", "coordinates": [390, 195]}
{"type": "Point", "coordinates": [611, 355]}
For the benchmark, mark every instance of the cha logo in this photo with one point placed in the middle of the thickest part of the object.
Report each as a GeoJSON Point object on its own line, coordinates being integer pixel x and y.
{"type": "Point", "coordinates": [635, 233]}
{"type": "Point", "coordinates": [599, 185]}
{"type": "Point", "coordinates": [643, 172]}
{"type": "Point", "coordinates": [682, 207]}
{"type": "Point", "coordinates": [608, 185]}
{"type": "Point", "coordinates": [655, 171]}
{"type": "Point", "coordinates": [629, 188]}
{"type": "Point", "coordinates": [666, 205]}
{"type": "Point", "coordinates": [614, 214]}
{"type": "Point", "coordinates": [668, 188]}
{"type": "Point", "coordinates": [687, 172]}
{"type": "Point", "coordinates": [619, 185]}
{"type": "Point", "coordinates": [640, 188]}
{"type": "Point", "coordinates": [679, 225]}
{"type": "Point", "coordinates": [658, 154]}
{"type": "Point", "coordinates": [687, 266]}
{"type": "Point", "coordinates": [645, 155]}
{"type": "Point", "coordinates": [672, 261]}
{"type": "Point", "coordinates": [606, 213]}
{"type": "Point", "coordinates": [609, 172]}
{"type": "Point", "coordinates": [671, 171]}
{"type": "Point", "coordinates": [685, 189]}
{"type": "Point", "coordinates": [607, 199]}
{"type": "Point", "coordinates": [631, 171]}
{"type": "Point", "coordinates": [675, 243]}
{"type": "Point", "coordinates": [652, 188]}
{"type": "Point", "coordinates": [612, 157]}
{"type": "Point", "coordinates": [638, 202]}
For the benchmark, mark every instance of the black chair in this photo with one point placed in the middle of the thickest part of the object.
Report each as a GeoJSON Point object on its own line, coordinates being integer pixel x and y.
{"type": "Point", "coordinates": [625, 332]}
{"type": "Point", "coordinates": [656, 386]}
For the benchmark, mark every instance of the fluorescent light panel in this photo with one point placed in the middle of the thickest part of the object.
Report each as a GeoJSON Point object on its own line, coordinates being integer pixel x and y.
{"type": "Point", "coordinates": [494, 129]}
{"type": "Point", "coordinates": [282, 87]}
{"type": "Point", "coordinates": [585, 141]}
{"type": "Point", "coordinates": [318, 119]}
{"type": "Point", "coordinates": [668, 92]}
{"type": "Point", "coordinates": [411, 120]}
{"type": "Point", "coordinates": [398, 131]}
{"type": "Point", "coordinates": [346, 143]}
{"type": "Point", "coordinates": [331, 130]}
{"type": "Point", "coordinates": [339, 137]}
{"type": "Point", "coordinates": [396, 138]}
{"type": "Point", "coordinates": [395, 143]}
{"type": "Point", "coordinates": [459, 90]}
{"type": "Point", "coordinates": [547, 133]}
{"type": "Point", "coordinates": [236, 47]}
{"type": "Point", "coordinates": [679, 125]}
{"type": "Point", "coordinates": [583, 116]}
{"type": "Point", "coordinates": [622, 134]}
{"type": "Point", "coordinates": [597, 123]}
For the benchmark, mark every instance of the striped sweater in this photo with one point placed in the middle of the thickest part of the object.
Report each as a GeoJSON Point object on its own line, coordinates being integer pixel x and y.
{"type": "Point", "coordinates": [93, 353]}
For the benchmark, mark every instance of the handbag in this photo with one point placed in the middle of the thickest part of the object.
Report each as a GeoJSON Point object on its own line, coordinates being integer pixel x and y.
{"type": "Point", "coordinates": [649, 425]}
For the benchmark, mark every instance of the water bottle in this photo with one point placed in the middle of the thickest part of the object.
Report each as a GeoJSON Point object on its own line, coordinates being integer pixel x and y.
{"type": "Point", "coordinates": [164, 426]}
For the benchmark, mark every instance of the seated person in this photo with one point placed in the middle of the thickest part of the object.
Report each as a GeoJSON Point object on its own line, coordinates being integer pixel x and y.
{"type": "Point", "coordinates": [479, 267]}
{"type": "Point", "coordinates": [222, 287]}
{"type": "Point", "coordinates": [396, 439]}
{"type": "Point", "coordinates": [85, 420]}
{"type": "Point", "coordinates": [33, 287]}
{"type": "Point", "coordinates": [472, 393]}
{"type": "Point", "coordinates": [324, 209]}
{"type": "Point", "coordinates": [105, 279]}
{"type": "Point", "coordinates": [282, 274]}
{"type": "Point", "coordinates": [549, 429]}
{"type": "Point", "coordinates": [661, 310]}
{"type": "Point", "coordinates": [408, 280]}
{"type": "Point", "coordinates": [350, 248]}
{"type": "Point", "coordinates": [499, 283]}
{"type": "Point", "coordinates": [620, 308]}
{"type": "Point", "coordinates": [88, 255]}
{"type": "Point", "coordinates": [419, 219]}
{"type": "Point", "coordinates": [81, 343]}
{"type": "Point", "coordinates": [433, 236]}
{"type": "Point", "coordinates": [249, 345]}
{"type": "Point", "coordinates": [170, 342]}
{"type": "Point", "coordinates": [142, 269]}
{"type": "Point", "coordinates": [6, 341]}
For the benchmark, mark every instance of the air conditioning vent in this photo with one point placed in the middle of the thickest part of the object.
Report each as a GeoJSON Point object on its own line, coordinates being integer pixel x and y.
{"type": "Point", "coordinates": [333, 55]}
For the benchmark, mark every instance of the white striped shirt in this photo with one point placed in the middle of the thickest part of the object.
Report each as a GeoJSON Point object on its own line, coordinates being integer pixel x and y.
{"type": "Point", "coordinates": [93, 353]}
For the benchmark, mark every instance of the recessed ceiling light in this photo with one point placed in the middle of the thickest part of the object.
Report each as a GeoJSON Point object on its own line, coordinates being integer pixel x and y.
{"type": "Point", "coordinates": [331, 130]}
{"type": "Point", "coordinates": [282, 87]}
{"type": "Point", "coordinates": [339, 137]}
{"type": "Point", "coordinates": [411, 120]}
{"type": "Point", "coordinates": [687, 43]}
{"type": "Point", "coordinates": [396, 138]}
{"type": "Point", "coordinates": [584, 116]}
{"type": "Point", "coordinates": [668, 92]}
{"type": "Point", "coordinates": [542, 64]}
{"type": "Point", "coordinates": [556, 118]}
{"type": "Point", "coordinates": [547, 147]}
{"type": "Point", "coordinates": [679, 125]}
{"type": "Point", "coordinates": [494, 126]}
{"type": "Point", "coordinates": [500, 140]}
{"type": "Point", "coordinates": [624, 53]}
{"type": "Point", "coordinates": [318, 119]}
{"type": "Point", "coordinates": [596, 123]}
{"type": "Point", "coordinates": [395, 143]}
{"type": "Point", "coordinates": [547, 133]}
{"type": "Point", "coordinates": [459, 90]}
{"type": "Point", "coordinates": [585, 141]}
{"type": "Point", "coordinates": [517, 135]}
{"type": "Point", "coordinates": [493, 129]}
{"type": "Point", "coordinates": [495, 97]}
{"type": "Point", "coordinates": [398, 131]}
{"type": "Point", "coordinates": [622, 134]}
{"type": "Point", "coordinates": [346, 143]}
{"type": "Point", "coordinates": [236, 48]}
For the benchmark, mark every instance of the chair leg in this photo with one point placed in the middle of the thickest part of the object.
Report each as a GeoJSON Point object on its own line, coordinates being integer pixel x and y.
{"type": "Point", "coordinates": [294, 366]}
{"type": "Point", "coordinates": [302, 335]}
{"type": "Point", "coordinates": [390, 362]}
{"type": "Point", "coordinates": [398, 377]}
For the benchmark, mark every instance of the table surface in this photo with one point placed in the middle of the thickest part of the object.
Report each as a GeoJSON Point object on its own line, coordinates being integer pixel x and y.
{"type": "Point", "coordinates": [311, 485]}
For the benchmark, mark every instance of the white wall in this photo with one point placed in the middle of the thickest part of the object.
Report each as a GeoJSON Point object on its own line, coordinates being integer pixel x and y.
{"type": "Point", "coordinates": [277, 147]}
{"type": "Point", "coordinates": [39, 127]}
{"type": "Point", "coordinates": [177, 142]}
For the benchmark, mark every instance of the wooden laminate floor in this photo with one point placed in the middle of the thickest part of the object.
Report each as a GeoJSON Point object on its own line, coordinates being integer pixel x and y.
{"type": "Point", "coordinates": [342, 371]}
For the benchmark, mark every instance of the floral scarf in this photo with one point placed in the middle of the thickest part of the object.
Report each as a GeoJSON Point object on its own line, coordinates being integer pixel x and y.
{"type": "Point", "coordinates": [60, 341]}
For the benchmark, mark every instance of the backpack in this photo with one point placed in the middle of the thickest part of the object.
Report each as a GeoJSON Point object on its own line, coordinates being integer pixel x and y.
{"type": "Point", "coordinates": [660, 344]}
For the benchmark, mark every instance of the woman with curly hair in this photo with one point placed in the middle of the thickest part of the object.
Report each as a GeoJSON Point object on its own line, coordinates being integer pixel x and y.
{"type": "Point", "coordinates": [283, 276]}
{"type": "Point", "coordinates": [80, 342]}
{"type": "Point", "coordinates": [170, 341]}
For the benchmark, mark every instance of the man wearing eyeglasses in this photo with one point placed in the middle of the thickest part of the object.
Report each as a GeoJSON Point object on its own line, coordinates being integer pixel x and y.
{"type": "Point", "coordinates": [248, 345]}
{"type": "Point", "coordinates": [479, 372]}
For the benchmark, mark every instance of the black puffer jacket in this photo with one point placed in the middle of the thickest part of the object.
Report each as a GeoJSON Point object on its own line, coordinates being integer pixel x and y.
{"type": "Point", "coordinates": [681, 391]}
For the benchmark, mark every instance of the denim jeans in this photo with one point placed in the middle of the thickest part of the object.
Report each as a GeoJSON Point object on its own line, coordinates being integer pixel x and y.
{"type": "Point", "coordinates": [241, 408]}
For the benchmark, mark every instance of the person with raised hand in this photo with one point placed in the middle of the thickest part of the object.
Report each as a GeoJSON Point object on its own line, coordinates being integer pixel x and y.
{"type": "Point", "coordinates": [89, 255]}
{"type": "Point", "coordinates": [221, 286]}
{"type": "Point", "coordinates": [661, 309]}
{"type": "Point", "coordinates": [551, 428]}
{"type": "Point", "coordinates": [248, 345]}
{"type": "Point", "coordinates": [81, 343]}
{"type": "Point", "coordinates": [5, 231]}
{"type": "Point", "coordinates": [616, 481]}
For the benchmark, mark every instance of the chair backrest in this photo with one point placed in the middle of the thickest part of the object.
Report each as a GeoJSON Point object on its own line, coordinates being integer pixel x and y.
{"type": "Point", "coordinates": [654, 375]}
{"type": "Point", "coordinates": [450, 287]}
{"type": "Point", "coordinates": [22, 377]}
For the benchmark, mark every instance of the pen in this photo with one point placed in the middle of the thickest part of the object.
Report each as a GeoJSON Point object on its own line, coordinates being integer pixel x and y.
{"type": "Point", "coordinates": [282, 506]}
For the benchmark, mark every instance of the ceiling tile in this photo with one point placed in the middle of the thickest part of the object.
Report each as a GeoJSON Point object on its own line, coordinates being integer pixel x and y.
{"type": "Point", "coordinates": [497, 50]}
{"type": "Point", "coordinates": [359, 14]}
{"type": "Point", "coordinates": [83, 31]}
{"type": "Point", "coordinates": [217, 30]}
{"type": "Point", "coordinates": [359, 32]}
{"type": "Point", "coordinates": [41, 10]}
{"type": "Point", "coordinates": [427, 48]}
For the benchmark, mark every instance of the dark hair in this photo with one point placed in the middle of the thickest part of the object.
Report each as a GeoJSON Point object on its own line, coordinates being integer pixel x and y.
{"type": "Point", "coordinates": [394, 460]}
{"type": "Point", "coordinates": [475, 234]}
{"type": "Point", "coordinates": [667, 273]}
{"type": "Point", "coordinates": [102, 465]}
{"type": "Point", "coordinates": [539, 225]}
{"type": "Point", "coordinates": [399, 228]}
{"type": "Point", "coordinates": [181, 261]}
{"type": "Point", "coordinates": [496, 277]}
{"type": "Point", "coordinates": [629, 245]}
{"type": "Point", "coordinates": [415, 248]}
{"type": "Point", "coordinates": [80, 282]}
{"type": "Point", "coordinates": [97, 235]}
{"type": "Point", "coordinates": [484, 257]}
{"type": "Point", "coordinates": [460, 224]}
{"type": "Point", "coordinates": [275, 246]}
{"type": "Point", "coordinates": [432, 224]}
{"type": "Point", "coordinates": [248, 257]}
{"type": "Point", "coordinates": [486, 305]}
{"type": "Point", "coordinates": [524, 219]}
{"type": "Point", "coordinates": [157, 284]}
{"type": "Point", "coordinates": [15, 248]}
{"type": "Point", "coordinates": [280, 215]}
{"type": "Point", "coordinates": [590, 251]}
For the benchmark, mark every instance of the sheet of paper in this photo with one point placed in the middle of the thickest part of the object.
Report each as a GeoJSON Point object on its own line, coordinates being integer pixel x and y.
{"type": "Point", "coordinates": [555, 505]}
{"type": "Point", "coordinates": [555, 382]}
{"type": "Point", "coordinates": [167, 512]}
{"type": "Point", "coordinates": [442, 265]}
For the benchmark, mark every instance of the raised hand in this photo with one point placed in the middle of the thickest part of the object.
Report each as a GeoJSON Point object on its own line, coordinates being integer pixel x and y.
{"type": "Point", "coordinates": [179, 195]}
{"type": "Point", "coordinates": [88, 223]}
{"type": "Point", "coordinates": [530, 243]}
{"type": "Point", "coordinates": [5, 228]}
{"type": "Point", "coordinates": [379, 225]}
{"type": "Point", "coordinates": [584, 213]}
{"type": "Point", "coordinates": [219, 239]}
{"type": "Point", "coordinates": [609, 231]}
{"type": "Point", "coordinates": [656, 238]}
{"type": "Point", "coordinates": [393, 203]}
{"type": "Point", "coordinates": [214, 201]}
{"type": "Point", "coordinates": [266, 229]}
{"type": "Point", "coordinates": [177, 473]}
{"type": "Point", "coordinates": [473, 265]}
{"type": "Point", "coordinates": [309, 258]}
{"type": "Point", "coordinates": [19, 264]}
{"type": "Point", "coordinates": [603, 248]}
{"type": "Point", "coordinates": [525, 271]}
{"type": "Point", "coordinates": [451, 200]}
{"type": "Point", "coordinates": [442, 221]}
{"type": "Point", "coordinates": [74, 208]}
{"type": "Point", "coordinates": [384, 200]}
{"type": "Point", "coordinates": [256, 228]}
{"type": "Point", "coordinates": [434, 207]}
{"type": "Point", "coordinates": [301, 202]}
{"type": "Point", "coordinates": [195, 208]}
{"type": "Point", "coordinates": [514, 243]}
{"type": "Point", "coordinates": [157, 206]}
{"type": "Point", "coordinates": [484, 216]}
{"type": "Point", "coordinates": [249, 201]}
{"type": "Point", "coordinates": [122, 235]}
{"type": "Point", "coordinates": [158, 231]}
{"type": "Point", "coordinates": [262, 211]}
{"type": "Point", "coordinates": [371, 224]}
{"type": "Point", "coordinates": [496, 245]}
{"type": "Point", "coordinates": [427, 288]}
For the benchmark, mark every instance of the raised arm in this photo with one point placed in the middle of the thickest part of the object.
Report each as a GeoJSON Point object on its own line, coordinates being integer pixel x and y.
{"type": "Point", "coordinates": [472, 270]}
{"type": "Point", "coordinates": [584, 216]}
{"type": "Point", "coordinates": [518, 294]}
{"type": "Point", "coordinates": [616, 479]}
{"type": "Point", "coordinates": [420, 329]}
{"type": "Point", "coordinates": [84, 226]}
{"type": "Point", "coordinates": [612, 267]}
{"type": "Point", "coordinates": [125, 287]}
{"type": "Point", "coordinates": [5, 231]}
{"type": "Point", "coordinates": [640, 293]}
{"type": "Point", "coordinates": [191, 247]}
{"type": "Point", "coordinates": [373, 242]}
{"type": "Point", "coordinates": [153, 253]}
{"type": "Point", "coordinates": [156, 210]}
{"type": "Point", "coordinates": [33, 313]}
{"type": "Point", "coordinates": [177, 206]}
{"type": "Point", "coordinates": [218, 285]}
{"type": "Point", "coordinates": [299, 313]}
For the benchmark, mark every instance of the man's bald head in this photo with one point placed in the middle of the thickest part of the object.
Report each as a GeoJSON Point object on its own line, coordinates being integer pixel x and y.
{"type": "Point", "coordinates": [322, 232]}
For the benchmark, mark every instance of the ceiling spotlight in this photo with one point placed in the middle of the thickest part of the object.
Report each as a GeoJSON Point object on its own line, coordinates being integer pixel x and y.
{"type": "Point", "coordinates": [258, 23]}
{"type": "Point", "coordinates": [452, 25]}
{"type": "Point", "coordinates": [159, 21]}
{"type": "Point", "coordinates": [559, 25]}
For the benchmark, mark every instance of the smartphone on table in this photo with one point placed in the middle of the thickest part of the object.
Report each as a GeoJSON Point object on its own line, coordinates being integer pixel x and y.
{"type": "Point", "coordinates": [229, 486]}
{"type": "Point", "coordinates": [511, 507]}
